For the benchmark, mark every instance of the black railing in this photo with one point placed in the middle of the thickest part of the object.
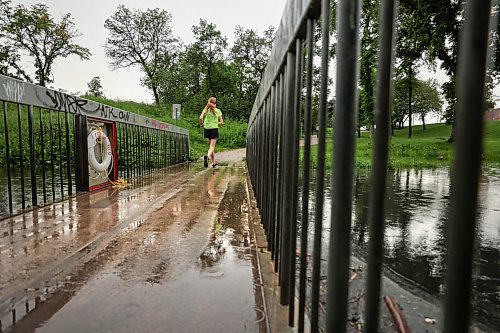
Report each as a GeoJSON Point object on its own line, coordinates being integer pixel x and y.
{"type": "Point", "coordinates": [273, 150]}
{"type": "Point", "coordinates": [44, 150]}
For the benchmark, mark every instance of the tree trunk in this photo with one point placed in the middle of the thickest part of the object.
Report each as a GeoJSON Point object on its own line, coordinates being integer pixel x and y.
{"type": "Point", "coordinates": [155, 93]}
{"type": "Point", "coordinates": [451, 139]}
{"type": "Point", "coordinates": [359, 132]}
{"type": "Point", "coordinates": [409, 100]}
{"type": "Point", "coordinates": [423, 122]}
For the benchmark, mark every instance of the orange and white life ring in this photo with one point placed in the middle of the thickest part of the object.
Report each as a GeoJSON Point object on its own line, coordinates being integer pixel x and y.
{"type": "Point", "coordinates": [107, 157]}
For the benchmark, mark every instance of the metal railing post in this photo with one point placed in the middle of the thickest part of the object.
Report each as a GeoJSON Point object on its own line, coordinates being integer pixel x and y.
{"type": "Point", "coordinates": [306, 176]}
{"type": "Point", "coordinates": [296, 116]}
{"type": "Point", "coordinates": [7, 155]}
{"type": "Point", "coordinates": [344, 140]}
{"type": "Point", "coordinates": [461, 224]}
{"type": "Point", "coordinates": [288, 180]}
{"type": "Point", "coordinates": [320, 168]}
{"type": "Point", "coordinates": [376, 214]}
{"type": "Point", "coordinates": [31, 138]}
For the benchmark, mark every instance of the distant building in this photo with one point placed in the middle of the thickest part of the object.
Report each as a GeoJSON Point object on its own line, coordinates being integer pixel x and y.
{"type": "Point", "coordinates": [492, 115]}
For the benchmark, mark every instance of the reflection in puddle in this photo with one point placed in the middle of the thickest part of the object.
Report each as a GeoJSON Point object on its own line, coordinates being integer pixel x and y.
{"type": "Point", "coordinates": [415, 240]}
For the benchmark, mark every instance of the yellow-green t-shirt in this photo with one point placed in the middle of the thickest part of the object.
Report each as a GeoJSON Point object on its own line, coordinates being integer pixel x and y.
{"type": "Point", "coordinates": [211, 120]}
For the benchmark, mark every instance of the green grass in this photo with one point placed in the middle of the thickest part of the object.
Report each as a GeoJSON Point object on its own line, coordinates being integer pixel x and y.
{"type": "Point", "coordinates": [232, 134]}
{"type": "Point", "coordinates": [426, 149]}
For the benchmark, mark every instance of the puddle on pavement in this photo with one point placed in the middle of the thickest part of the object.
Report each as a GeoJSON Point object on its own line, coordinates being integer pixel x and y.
{"type": "Point", "coordinates": [152, 277]}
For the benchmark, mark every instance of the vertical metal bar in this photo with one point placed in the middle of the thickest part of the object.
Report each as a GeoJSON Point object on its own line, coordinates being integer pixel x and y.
{"type": "Point", "coordinates": [174, 135]}
{"type": "Point", "coordinates": [272, 109]}
{"type": "Point", "coordinates": [295, 129]}
{"type": "Point", "coordinates": [188, 152]}
{"type": "Point", "coordinates": [288, 180]}
{"type": "Point", "coordinates": [61, 179]}
{"type": "Point", "coordinates": [81, 154]}
{"type": "Point", "coordinates": [135, 149]}
{"type": "Point", "coordinates": [320, 169]}
{"type": "Point", "coordinates": [306, 176]}
{"type": "Point", "coordinates": [178, 143]}
{"type": "Point", "coordinates": [42, 146]}
{"type": "Point", "coordinates": [68, 155]}
{"type": "Point", "coordinates": [164, 138]}
{"type": "Point", "coordinates": [263, 158]}
{"type": "Point", "coordinates": [461, 224]}
{"type": "Point", "coordinates": [273, 236]}
{"type": "Point", "coordinates": [31, 138]}
{"type": "Point", "coordinates": [158, 149]}
{"type": "Point", "coordinates": [277, 250]}
{"type": "Point", "coordinates": [119, 150]}
{"type": "Point", "coordinates": [376, 214]}
{"type": "Point", "coordinates": [127, 152]}
{"type": "Point", "coordinates": [7, 155]}
{"type": "Point", "coordinates": [139, 139]}
{"type": "Point", "coordinates": [274, 184]}
{"type": "Point", "coordinates": [147, 150]}
{"type": "Point", "coordinates": [21, 154]}
{"type": "Point", "coordinates": [346, 115]}
{"type": "Point", "coordinates": [180, 146]}
{"type": "Point", "coordinates": [269, 164]}
{"type": "Point", "coordinates": [170, 148]}
{"type": "Point", "coordinates": [52, 167]}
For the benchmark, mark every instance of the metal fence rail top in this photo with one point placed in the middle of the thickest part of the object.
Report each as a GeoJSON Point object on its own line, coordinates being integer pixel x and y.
{"type": "Point", "coordinates": [293, 16]}
{"type": "Point", "coordinates": [16, 91]}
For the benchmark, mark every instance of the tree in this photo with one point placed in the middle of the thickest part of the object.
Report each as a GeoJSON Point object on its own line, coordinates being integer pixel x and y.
{"type": "Point", "coordinates": [208, 51]}
{"type": "Point", "coordinates": [34, 30]}
{"type": "Point", "coordinates": [142, 39]}
{"type": "Point", "coordinates": [95, 87]}
{"type": "Point", "coordinates": [9, 57]}
{"type": "Point", "coordinates": [413, 40]}
{"type": "Point", "coordinates": [251, 53]}
{"type": "Point", "coordinates": [427, 99]}
{"type": "Point", "coordinates": [446, 17]}
{"type": "Point", "coordinates": [369, 23]}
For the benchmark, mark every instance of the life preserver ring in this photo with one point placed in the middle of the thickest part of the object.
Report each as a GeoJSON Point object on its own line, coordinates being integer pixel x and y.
{"type": "Point", "coordinates": [108, 155]}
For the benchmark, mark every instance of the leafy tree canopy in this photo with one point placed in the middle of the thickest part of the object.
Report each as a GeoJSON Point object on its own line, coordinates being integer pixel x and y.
{"type": "Point", "coordinates": [35, 31]}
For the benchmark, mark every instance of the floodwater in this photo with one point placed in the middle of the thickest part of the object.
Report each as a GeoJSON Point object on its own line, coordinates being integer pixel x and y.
{"type": "Point", "coordinates": [45, 194]}
{"type": "Point", "coordinates": [170, 255]}
{"type": "Point", "coordinates": [415, 240]}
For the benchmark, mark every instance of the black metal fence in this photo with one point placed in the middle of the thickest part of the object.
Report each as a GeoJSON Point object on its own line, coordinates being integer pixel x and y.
{"type": "Point", "coordinates": [273, 158]}
{"type": "Point", "coordinates": [44, 150]}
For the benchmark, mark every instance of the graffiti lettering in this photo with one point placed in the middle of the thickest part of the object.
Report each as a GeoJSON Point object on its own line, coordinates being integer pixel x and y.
{"type": "Point", "coordinates": [124, 115]}
{"type": "Point", "coordinates": [109, 112]}
{"type": "Point", "coordinates": [62, 101]}
{"type": "Point", "coordinates": [106, 111]}
{"type": "Point", "coordinates": [14, 91]}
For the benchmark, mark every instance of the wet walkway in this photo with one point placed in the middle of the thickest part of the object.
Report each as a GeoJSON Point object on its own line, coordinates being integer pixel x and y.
{"type": "Point", "coordinates": [173, 253]}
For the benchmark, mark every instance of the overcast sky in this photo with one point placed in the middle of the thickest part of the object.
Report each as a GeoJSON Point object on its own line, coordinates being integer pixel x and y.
{"type": "Point", "coordinates": [73, 75]}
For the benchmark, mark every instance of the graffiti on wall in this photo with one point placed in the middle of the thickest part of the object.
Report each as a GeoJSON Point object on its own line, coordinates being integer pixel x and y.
{"type": "Point", "coordinates": [62, 101]}
{"type": "Point", "coordinates": [21, 92]}
{"type": "Point", "coordinates": [14, 90]}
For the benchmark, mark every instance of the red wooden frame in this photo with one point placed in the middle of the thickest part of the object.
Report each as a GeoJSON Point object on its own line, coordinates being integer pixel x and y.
{"type": "Point", "coordinates": [115, 155]}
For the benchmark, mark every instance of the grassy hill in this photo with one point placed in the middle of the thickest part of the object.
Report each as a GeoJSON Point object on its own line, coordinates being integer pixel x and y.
{"type": "Point", "coordinates": [232, 134]}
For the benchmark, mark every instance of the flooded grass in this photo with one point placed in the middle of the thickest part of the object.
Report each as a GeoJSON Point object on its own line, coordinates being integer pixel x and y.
{"type": "Point", "coordinates": [426, 149]}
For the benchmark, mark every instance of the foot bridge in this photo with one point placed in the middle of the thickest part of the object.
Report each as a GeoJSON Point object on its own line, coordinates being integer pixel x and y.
{"type": "Point", "coordinates": [106, 224]}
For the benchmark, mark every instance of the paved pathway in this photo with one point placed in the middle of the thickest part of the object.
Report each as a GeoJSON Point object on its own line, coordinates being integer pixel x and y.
{"type": "Point", "coordinates": [173, 253]}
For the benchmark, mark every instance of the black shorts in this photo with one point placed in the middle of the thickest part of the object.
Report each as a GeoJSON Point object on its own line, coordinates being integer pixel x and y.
{"type": "Point", "coordinates": [211, 133]}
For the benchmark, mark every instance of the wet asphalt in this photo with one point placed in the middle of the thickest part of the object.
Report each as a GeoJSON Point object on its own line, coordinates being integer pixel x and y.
{"type": "Point", "coordinates": [171, 253]}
